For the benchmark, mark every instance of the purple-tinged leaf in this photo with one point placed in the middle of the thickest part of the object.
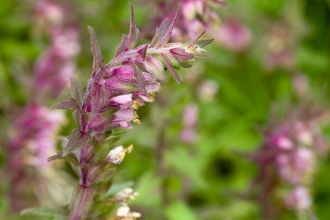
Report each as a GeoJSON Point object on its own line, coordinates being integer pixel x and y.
{"type": "Point", "coordinates": [139, 77]}
{"type": "Point", "coordinates": [118, 86]}
{"type": "Point", "coordinates": [99, 98]}
{"type": "Point", "coordinates": [220, 2]}
{"type": "Point", "coordinates": [109, 120]}
{"type": "Point", "coordinates": [81, 202]}
{"type": "Point", "coordinates": [143, 52]}
{"type": "Point", "coordinates": [71, 103]}
{"type": "Point", "coordinates": [73, 159]}
{"type": "Point", "coordinates": [168, 33]}
{"type": "Point", "coordinates": [204, 42]}
{"type": "Point", "coordinates": [77, 139]}
{"type": "Point", "coordinates": [194, 41]}
{"type": "Point", "coordinates": [180, 54]}
{"type": "Point", "coordinates": [121, 47]}
{"type": "Point", "coordinates": [102, 173]}
{"type": "Point", "coordinates": [200, 42]}
{"type": "Point", "coordinates": [101, 122]}
{"type": "Point", "coordinates": [81, 118]}
{"type": "Point", "coordinates": [160, 32]}
{"type": "Point", "coordinates": [77, 91]}
{"type": "Point", "coordinates": [155, 68]}
{"type": "Point", "coordinates": [171, 69]}
{"type": "Point", "coordinates": [98, 62]}
{"type": "Point", "coordinates": [133, 32]}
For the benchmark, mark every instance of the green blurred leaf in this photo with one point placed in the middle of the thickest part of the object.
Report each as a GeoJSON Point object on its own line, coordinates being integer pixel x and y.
{"type": "Point", "coordinates": [180, 211]}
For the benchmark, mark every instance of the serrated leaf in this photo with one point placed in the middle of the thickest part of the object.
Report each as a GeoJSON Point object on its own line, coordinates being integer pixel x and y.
{"type": "Point", "coordinates": [46, 213]}
{"type": "Point", "coordinates": [77, 139]}
{"type": "Point", "coordinates": [77, 91]}
{"type": "Point", "coordinates": [68, 104]}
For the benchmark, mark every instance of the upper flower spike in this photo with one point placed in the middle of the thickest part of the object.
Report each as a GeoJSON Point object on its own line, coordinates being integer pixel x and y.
{"type": "Point", "coordinates": [119, 87]}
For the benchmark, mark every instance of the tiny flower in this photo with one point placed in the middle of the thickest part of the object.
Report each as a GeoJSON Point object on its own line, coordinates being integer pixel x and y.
{"type": "Point", "coordinates": [207, 90]}
{"type": "Point", "coordinates": [125, 195]}
{"type": "Point", "coordinates": [234, 35]}
{"type": "Point", "coordinates": [117, 154]}
{"type": "Point", "coordinates": [299, 199]}
{"type": "Point", "coordinates": [124, 213]}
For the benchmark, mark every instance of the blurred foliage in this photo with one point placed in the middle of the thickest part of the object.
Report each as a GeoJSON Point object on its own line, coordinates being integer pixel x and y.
{"type": "Point", "coordinates": [205, 180]}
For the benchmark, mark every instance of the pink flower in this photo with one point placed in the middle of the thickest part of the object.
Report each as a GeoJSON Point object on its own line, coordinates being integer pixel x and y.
{"type": "Point", "coordinates": [188, 134]}
{"type": "Point", "coordinates": [35, 132]}
{"type": "Point", "coordinates": [234, 35]}
{"type": "Point", "coordinates": [299, 199]}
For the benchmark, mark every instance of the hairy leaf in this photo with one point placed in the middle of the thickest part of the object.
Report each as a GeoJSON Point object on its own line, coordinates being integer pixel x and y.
{"type": "Point", "coordinates": [139, 77]}
{"type": "Point", "coordinates": [77, 91]}
{"type": "Point", "coordinates": [68, 104]}
{"type": "Point", "coordinates": [160, 32]}
{"type": "Point", "coordinates": [77, 139]}
{"type": "Point", "coordinates": [168, 33]}
{"type": "Point", "coordinates": [96, 51]}
{"type": "Point", "coordinates": [171, 69]}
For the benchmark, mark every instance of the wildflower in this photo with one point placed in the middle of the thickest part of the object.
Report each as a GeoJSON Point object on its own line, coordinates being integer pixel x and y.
{"type": "Point", "coordinates": [287, 158]}
{"type": "Point", "coordinates": [117, 155]}
{"type": "Point", "coordinates": [125, 195]}
{"type": "Point", "coordinates": [188, 134]}
{"type": "Point", "coordinates": [124, 213]}
{"type": "Point", "coordinates": [234, 35]}
{"type": "Point", "coordinates": [299, 199]}
{"type": "Point", "coordinates": [115, 91]}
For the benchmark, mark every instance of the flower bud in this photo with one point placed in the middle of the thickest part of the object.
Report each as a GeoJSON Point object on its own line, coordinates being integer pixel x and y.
{"type": "Point", "coordinates": [155, 67]}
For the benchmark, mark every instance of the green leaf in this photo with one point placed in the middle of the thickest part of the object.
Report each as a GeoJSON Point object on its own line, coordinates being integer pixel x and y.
{"type": "Point", "coordinates": [179, 211]}
{"type": "Point", "coordinates": [46, 213]}
{"type": "Point", "coordinates": [115, 188]}
{"type": "Point", "coordinates": [183, 162]}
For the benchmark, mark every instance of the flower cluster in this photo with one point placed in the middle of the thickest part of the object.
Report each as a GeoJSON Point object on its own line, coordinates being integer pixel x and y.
{"type": "Point", "coordinates": [196, 16]}
{"type": "Point", "coordinates": [234, 35]}
{"type": "Point", "coordinates": [55, 66]}
{"type": "Point", "coordinates": [113, 95]}
{"type": "Point", "coordinates": [288, 158]}
{"type": "Point", "coordinates": [35, 133]}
